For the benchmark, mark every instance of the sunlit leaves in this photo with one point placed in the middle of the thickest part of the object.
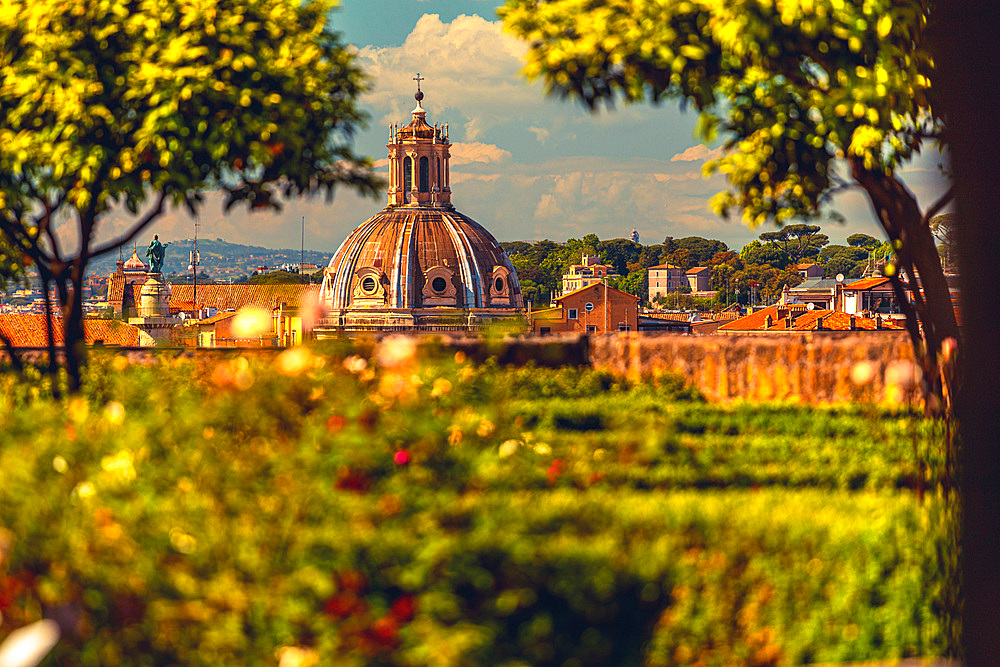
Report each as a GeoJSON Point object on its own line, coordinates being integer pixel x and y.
{"type": "Point", "coordinates": [790, 85]}
{"type": "Point", "coordinates": [116, 99]}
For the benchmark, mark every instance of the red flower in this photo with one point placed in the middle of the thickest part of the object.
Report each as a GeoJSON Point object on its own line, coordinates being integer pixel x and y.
{"type": "Point", "coordinates": [401, 458]}
{"type": "Point", "coordinates": [335, 423]}
{"type": "Point", "coordinates": [351, 480]}
{"type": "Point", "coordinates": [385, 630]}
{"type": "Point", "coordinates": [352, 580]}
{"type": "Point", "coordinates": [404, 608]}
{"type": "Point", "coordinates": [341, 605]}
{"type": "Point", "coordinates": [555, 470]}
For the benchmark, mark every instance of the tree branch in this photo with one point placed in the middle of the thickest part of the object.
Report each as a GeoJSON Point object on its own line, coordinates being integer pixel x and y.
{"type": "Point", "coordinates": [938, 205]}
{"type": "Point", "coordinates": [154, 213]}
{"type": "Point", "coordinates": [15, 360]}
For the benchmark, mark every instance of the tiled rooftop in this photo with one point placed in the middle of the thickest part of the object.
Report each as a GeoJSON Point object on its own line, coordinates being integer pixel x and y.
{"type": "Point", "coordinates": [803, 320]}
{"type": "Point", "coordinates": [28, 330]}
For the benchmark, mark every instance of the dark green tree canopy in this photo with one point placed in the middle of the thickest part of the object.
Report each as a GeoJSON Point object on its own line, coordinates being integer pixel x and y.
{"type": "Point", "coordinates": [863, 241]}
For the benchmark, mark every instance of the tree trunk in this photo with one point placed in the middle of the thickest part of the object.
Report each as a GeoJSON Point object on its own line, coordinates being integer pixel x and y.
{"type": "Point", "coordinates": [897, 210]}
{"type": "Point", "coordinates": [969, 69]}
{"type": "Point", "coordinates": [71, 301]}
{"type": "Point", "coordinates": [45, 278]}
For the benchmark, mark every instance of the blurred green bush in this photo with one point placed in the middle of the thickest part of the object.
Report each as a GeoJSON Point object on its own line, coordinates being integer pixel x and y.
{"type": "Point", "coordinates": [321, 507]}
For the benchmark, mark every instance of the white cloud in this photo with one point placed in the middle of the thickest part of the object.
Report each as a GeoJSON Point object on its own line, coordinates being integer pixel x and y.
{"type": "Point", "coordinates": [471, 67]}
{"type": "Point", "coordinates": [468, 152]}
{"type": "Point", "coordinates": [699, 152]}
{"type": "Point", "coordinates": [541, 134]}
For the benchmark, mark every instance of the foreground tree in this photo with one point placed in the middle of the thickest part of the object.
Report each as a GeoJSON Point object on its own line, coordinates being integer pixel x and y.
{"type": "Point", "coordinates": [147, 104]}
{"type": "Point", "coordinates": [799, 91]}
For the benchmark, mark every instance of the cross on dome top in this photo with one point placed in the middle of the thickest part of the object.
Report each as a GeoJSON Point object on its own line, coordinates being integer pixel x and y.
{"type": "Point", "coordinates": [418, 95]}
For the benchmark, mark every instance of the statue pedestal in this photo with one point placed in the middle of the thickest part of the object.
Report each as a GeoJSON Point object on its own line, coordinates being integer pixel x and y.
{"type": "Point", "coordinates": [154, 318]}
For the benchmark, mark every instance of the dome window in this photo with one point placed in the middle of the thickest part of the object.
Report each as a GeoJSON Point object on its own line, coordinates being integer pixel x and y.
{"type": "Point", "coordinates": [500, 286]}
{"type": "Point", "coordinates": [369, 290]}
{"type": "Point", "coordinates": [439, 287]}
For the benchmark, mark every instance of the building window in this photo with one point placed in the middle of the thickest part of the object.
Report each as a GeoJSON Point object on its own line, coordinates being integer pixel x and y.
{"type": "Point", "coordinates": [368, 285]}
{"type": "Point", "coordinates": [498, 284]}
{"type": "Point", "coordinates": [544, 331]}
{"type": "Point", "coordinates": [588, 306]}
{"type": "Point", "coordinates": [407, 174]}
{"type": "Point", "coordinates": [571, 315]}
{"type": "Point", "coordinates": [591, 328]}
{"type": "Point", "coordinates": [438, 284]}
{"type": "Point", "coordinates": [425, 175]}
{"type": "Point", "coordinates": [624, 327]}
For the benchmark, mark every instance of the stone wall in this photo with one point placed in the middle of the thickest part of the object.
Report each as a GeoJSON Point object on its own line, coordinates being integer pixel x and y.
{"type": "Point", "coordinates": [808, 368]}
{"type": "Point", "coordinates": [811, 368]}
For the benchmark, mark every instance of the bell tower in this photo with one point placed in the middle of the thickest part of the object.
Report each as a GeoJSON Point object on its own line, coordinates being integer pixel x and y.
{"type": "Point", "coordinates": [419, 172]}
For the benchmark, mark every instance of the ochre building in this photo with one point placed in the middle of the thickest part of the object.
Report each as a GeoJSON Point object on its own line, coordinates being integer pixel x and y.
{"type": "Point", "coordinates": [420, 265]}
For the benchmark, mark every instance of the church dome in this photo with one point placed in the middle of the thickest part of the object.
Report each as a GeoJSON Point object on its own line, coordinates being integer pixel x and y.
{"type": "Point", "coordinates": [134, 264]}
{"type": "Point", "coordinates": [418, 257]}
{"type": "Point", "coordinates": [419, 260]}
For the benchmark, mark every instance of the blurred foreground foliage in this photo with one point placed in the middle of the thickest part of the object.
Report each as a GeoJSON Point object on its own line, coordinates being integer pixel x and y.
{"type": "Point", "coordinates": [326, 507]}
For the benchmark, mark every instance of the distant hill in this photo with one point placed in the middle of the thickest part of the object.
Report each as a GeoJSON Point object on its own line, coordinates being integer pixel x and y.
{"type": "Point", "coordinates": [218, 258]}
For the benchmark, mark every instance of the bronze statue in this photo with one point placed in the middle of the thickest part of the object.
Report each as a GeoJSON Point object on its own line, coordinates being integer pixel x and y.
{"type": "Point", "coordinates": [155, 252]}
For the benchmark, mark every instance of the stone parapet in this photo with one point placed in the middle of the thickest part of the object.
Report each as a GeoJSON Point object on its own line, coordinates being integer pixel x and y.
{"type": "Point", "coordinates": [821, 368]}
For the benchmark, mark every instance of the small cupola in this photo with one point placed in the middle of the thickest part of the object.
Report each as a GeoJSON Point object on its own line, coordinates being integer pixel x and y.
{"type": "Point", "coordinates": [419, 173]}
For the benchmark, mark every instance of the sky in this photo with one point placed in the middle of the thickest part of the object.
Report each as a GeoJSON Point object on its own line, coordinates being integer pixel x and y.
{"type": "Point", "coordinates": [523, 165]}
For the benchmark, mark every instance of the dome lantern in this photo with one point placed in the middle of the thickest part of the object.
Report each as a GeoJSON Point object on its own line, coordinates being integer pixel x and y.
{"type": "Point", "coordinates": [419, 160]}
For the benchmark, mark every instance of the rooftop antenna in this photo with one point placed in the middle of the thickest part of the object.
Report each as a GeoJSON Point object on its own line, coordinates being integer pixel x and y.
{"type": "Point", "coordinates": [195, 261]}
{"type": "Point", "coordinates": [302, 250]}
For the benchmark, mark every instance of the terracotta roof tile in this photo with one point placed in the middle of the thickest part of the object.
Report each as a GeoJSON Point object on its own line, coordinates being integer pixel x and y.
{"type": "Point", "coordinates": [696, 269]}
{"type": "Point", "coordinates": [664, 266]}
{"type": "Point", "coordinates": [28, 330]}
{"type": "Point", "coordinates": [218, 318]}
{"type": "Point", "coordinates": [225, 297]}
{"type": "Point", "coordinates": [866, 283]}
{"type": "Point", "coordinates": [833, 320]}
{"type": "Point", "coordinates": [594, 286]}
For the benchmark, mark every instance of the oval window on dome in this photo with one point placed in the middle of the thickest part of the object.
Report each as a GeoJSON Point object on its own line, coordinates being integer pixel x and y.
{"type": "Point", "coordinates": [588, 306]}
{"type": "Point", "coordinates": [368, 285]}
{"type": "Point", "coordinates": [498, 284]}
{"type": "Point", "coordinates": [439, 285]}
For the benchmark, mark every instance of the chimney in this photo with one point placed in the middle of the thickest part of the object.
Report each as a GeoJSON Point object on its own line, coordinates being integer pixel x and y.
{"type": "Point", "coordinates": [768, 321]}
{"type": "Point", "coordinates": [819, 323]}
{"type": "Point", "coordinates": [854, 323]}
{"type": "Point", "coordinates": [838, 297]}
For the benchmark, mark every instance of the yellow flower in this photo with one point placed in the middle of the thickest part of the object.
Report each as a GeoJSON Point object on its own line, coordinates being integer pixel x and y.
{"type": "Point", "coordinates": [355, 364]}
{"type": "Point", "coordinates": [297, 656]}
{"type": "Point", "coordinates": [509, 448]}
{"type": "Point", "coordinates": [114, 412]}
{"type": "Point", "coordinates": [440, 388]}
{"type": "Point", "coordinates": [396, 351]}
{"type": "Point", "coordinates": [294, 360]}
